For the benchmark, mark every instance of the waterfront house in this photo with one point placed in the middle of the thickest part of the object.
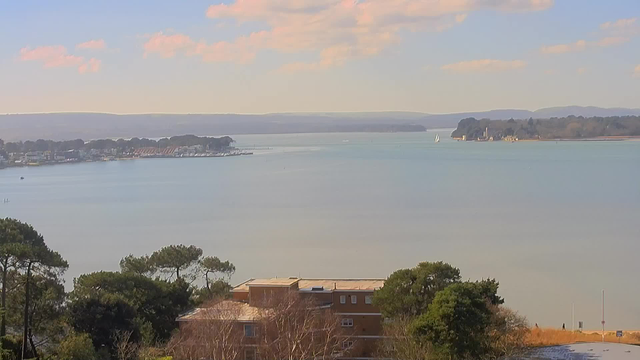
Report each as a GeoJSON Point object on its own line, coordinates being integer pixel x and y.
{"type": "Point", "coordinates": [33, 157]}
{"type": "Point", "coordinates": [351, 300]}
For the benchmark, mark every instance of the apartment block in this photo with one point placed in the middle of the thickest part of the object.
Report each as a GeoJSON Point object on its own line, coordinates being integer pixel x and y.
{"type": "Point", "coordinates": [349, 299]}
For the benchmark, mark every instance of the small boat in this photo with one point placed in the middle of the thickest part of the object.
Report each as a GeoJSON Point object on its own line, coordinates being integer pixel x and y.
{"type": "Point", "coordinates": [437, 139]}
{"type": "Point", "coordinates": [21, 177]}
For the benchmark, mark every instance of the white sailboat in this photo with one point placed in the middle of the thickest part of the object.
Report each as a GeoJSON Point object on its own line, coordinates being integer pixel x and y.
{"type": "Point", "coordinates": [437, 139]}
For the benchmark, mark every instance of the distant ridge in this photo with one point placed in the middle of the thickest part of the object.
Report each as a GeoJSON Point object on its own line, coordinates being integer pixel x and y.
{"type": "Point", "coordinates": [66, 126]}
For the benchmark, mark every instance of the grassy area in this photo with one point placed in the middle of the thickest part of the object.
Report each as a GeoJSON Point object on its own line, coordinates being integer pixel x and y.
{"type": "Point", "coordinates": [549, 337]}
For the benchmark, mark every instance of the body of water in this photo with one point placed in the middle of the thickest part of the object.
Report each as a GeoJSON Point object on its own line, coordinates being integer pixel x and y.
{"type": "Point", "coordinates": [555, 223]}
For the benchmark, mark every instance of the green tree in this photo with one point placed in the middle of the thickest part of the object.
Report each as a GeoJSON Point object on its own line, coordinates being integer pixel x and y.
{"type": "Point", "coordinates": [10, 247]}
{"type": "Point", "coordinates": [408, 292]}
{"type": "Point", "coordinates": [23, 249]}
{"type": "Point", "coordinates": [457, 322]}
{"type": "Point", "coordinates": [77, 347]}
{"type": "Point", "coordinates": [175, 259]}
{"type": "Point", "coordinates": [157, 302]}
{"type": "Point", "coordinates": [137, 265]}
{"type": "Point", "coordinates": [35, 257]}
{"type": "Point", "coordinates": [46, 308]}
{"type": "Point", "coordinates": [215, 270]}
{"type": "Point", "coordinates": [220, 289]}
{"type": "Point", "coordinates": [102, 318]}
{"type": "Point", "coordinates": [10, 348]}
{"type": "Point", "coordinates": [489, 289]}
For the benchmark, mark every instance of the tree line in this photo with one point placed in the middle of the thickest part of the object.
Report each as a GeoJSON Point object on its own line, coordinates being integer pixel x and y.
{"type": "Point", "coordinates": [570, 127]}
{"type": "Point", "coordinates": [123, 145]}
{"type": "Point", "coordinates": [107, 312]}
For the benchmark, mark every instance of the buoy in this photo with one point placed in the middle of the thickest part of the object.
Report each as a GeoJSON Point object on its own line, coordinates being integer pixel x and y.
{"type": "Point", "coordinates": [21, 177]}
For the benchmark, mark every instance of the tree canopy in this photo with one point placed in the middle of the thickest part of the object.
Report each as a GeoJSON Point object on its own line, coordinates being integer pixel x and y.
{"type": "Point", "coordinates": [175, 258]}
{"type": "Point", "coordinates": [436, 316]}
{"type": "Point", "coordinates": [137, 265]}
{"type": "Point", "coordinates": [456, 322]}
{"type": "Point", "coordinates": [155, 302]}
{"type": "Point", "coordinates": [209, 143]}
{"type": "Point", "coordinates": [25, 255]}
{"type": "Point", "coordinates": [408, 292]}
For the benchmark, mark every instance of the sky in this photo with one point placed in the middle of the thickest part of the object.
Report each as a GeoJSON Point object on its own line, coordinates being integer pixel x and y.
{"type": "Point", "coordinates": [259, 56]}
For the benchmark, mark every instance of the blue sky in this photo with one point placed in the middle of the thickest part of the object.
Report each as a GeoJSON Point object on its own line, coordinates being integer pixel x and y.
{"type": "Point", "coordinates": [257, 56]}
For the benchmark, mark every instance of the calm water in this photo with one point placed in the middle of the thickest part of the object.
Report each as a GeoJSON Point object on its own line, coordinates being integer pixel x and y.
{"type": "Point", "coordinates": [555, 223]}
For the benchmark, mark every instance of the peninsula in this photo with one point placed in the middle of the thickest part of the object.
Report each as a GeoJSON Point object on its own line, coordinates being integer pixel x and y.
{"type": "Point", "coordinates": [565, 128]}
{"type": "Point", "coordinates": [46, 152]}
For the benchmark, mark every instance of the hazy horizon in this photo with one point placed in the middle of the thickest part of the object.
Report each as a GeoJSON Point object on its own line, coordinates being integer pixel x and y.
{"type": "Point", "coordinates": [331, 112]}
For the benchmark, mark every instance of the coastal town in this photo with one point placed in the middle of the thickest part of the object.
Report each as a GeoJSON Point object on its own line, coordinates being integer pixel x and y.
{"type": "Point", "coordinates": [30, 153]}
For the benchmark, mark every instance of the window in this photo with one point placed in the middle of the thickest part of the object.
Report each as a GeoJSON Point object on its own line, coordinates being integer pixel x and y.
{"type": "Point", "coordinates": [249, 330]}
{"type": "Point", "coordinates": [249, 354]}
{"type": "Point", "coordinates": [347, 344]}
{"type": "Point", "coordinates": [347, 322]}
{"type": "Point", "coordinates": [354, 299]}
{"type": "Point", "coordinates": [343, 299]}
{"type": "Point", "coordinates": [368, 299]}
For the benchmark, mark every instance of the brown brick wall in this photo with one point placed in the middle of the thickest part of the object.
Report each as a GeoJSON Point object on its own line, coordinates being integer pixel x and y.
{"type": "Point", "coordinates": [358, 307]}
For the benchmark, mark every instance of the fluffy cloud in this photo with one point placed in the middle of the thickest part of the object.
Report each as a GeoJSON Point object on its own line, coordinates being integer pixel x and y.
{"type": "Point", "coordinates": [614, 32]}
{"type": "Point", "coordinates": [336, 30]}
{"type": "Point", "coordinates": [57, 56]}
{"type": "Point", "coordinates": [580, 45]}
{"type": "Point", "coordinates": [243, 50]}
{"type": "Point", "coordinates": [611, 41]}
{"type": "Point", "coordinates": [92, 45]}
{"type": "Point", "coordinates": [50, 56]}
{"type": "Point", "coordinates": [167, 45]}
{"type": "Point", "coordinates": [485, 65]}
{"type": "Point", "coordinates": [90, 67]}
{"type": "Point", "coordinates": [620, 24]}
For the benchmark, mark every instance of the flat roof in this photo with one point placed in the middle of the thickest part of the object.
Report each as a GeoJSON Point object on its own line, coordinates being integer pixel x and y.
{"type": "Point", "coordinates": [342, 284]}
{"type": "Point", "coordinates": [326, 284]}
{"type": "Point", "coordinates": [224, 310]}
{"type": "Point", "coordinates": [265, 282]}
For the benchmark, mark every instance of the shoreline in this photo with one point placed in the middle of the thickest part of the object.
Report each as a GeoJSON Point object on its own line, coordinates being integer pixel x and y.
{"type": "Point", "coordinates": [53, 163]}
{"type": "Point", "coordinates": [595, 139]}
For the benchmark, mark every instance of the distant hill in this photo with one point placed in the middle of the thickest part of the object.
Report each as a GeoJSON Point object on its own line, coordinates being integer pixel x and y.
{"type": "Point", "coordinates": [66, 126]}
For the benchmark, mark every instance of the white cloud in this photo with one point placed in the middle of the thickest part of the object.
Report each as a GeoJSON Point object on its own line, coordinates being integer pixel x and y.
{"type": "Point", "coordinates": [613, 32]}
{"type": "Point", "coordinates": [91, 66]}
{"type": "Point", "coordinates": [93, 45]}
{"type": "Point", "coordinates": [619, 24]}
{"type": "Point", "coordinates": [329, 27]}
{"type": "Point", "coordinates": [579, 45]}
{"type": "Point", "coordinates": [485, 65]}
{"type": "Point", "coordinates": [611, 41]}
{"type": "Point", "coordinates": [56, 56]}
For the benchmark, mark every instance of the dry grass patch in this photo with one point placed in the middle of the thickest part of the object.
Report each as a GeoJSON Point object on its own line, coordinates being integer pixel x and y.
{"type": "Point", "coordinates": [550, 337]}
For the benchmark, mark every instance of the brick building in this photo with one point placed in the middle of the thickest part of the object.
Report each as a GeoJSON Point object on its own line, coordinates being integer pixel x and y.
{"type": "Point", "coordinates": [350, 299]}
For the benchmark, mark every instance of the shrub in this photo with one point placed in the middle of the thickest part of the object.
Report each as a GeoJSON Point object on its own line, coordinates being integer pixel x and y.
{"type": "Point", "coordinates": [77, 347]}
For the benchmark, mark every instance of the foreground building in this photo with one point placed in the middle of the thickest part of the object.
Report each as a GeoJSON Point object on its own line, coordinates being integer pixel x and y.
{"type": "Point", "coordinates": [350, 300]}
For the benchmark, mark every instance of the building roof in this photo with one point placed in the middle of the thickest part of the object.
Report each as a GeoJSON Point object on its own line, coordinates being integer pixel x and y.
{"type": "Point", "coordinates": [224, 310]}
{"type": "Point", "coordinates": [308, 284]}
{"type": "Point", "coordinates": [244, 286]}
{"type": "Point", "coordinates": [341, 284]}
